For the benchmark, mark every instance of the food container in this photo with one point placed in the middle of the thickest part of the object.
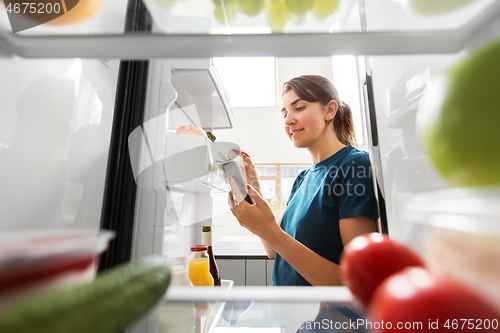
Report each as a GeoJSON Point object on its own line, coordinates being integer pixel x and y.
{"type": "Point", "coordinates": [458, 233]}
{"type": "Point", "coordinates": [50, 259]}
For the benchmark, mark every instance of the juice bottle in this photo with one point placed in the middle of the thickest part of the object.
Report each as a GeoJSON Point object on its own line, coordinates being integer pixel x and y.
{"type": "Point", "coordinates": [206, 239]}
{"type": "Point", "coordinates": [199, 267]}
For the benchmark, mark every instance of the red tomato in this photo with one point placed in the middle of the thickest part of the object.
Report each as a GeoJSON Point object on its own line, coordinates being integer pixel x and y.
{"type": "Point", "coordinates": [414, 300]}
{"type": "Point", "coordinates": [368, 259]}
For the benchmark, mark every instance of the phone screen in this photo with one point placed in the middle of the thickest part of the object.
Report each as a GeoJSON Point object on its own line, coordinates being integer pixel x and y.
{"type": "Point", "coordinates": [231, 169]}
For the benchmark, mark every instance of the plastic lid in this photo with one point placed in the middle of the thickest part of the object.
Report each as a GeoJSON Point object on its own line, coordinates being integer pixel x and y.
{"type": "Point", "coordinates": [37, 244]}
{"type": "Point", "coordinates": [35, 251]}
{"type": "Point", "coordinates": [463, 209]}
{"type": "Point", "coordinates": [199, 248]}
{"type": "Point", "coordinates": [206, 228]}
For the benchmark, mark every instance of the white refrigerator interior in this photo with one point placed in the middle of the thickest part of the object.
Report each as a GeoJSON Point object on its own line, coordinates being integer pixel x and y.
{"type": "Point", "coordinates": [57, 105]}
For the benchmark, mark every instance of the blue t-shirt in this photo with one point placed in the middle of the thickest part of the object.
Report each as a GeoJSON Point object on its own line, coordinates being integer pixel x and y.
{"type": "Point", "coordinates": [333, 189]}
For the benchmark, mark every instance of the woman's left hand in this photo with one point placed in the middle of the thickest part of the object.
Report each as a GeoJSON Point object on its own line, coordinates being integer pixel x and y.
{"type": "Point", "coordinates": [258, 217]}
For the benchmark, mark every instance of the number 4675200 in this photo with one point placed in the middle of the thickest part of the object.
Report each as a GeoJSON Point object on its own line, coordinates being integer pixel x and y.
{"type": "Point", "coordinates": [471, 324]}
{"type": "Point", "coordinates": [33, 8]}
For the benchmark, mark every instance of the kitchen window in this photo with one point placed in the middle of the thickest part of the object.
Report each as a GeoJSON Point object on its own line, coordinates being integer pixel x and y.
{"type": "Point", "coordinates": [276, 181]}
{"type": "Point", "coordinates": [248, 81]}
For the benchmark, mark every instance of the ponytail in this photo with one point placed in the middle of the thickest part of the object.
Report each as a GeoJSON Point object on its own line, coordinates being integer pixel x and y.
{"type": "Point", "coordinates": [316, 88]}
{"type": "Point", "coordinates": [343, 125]}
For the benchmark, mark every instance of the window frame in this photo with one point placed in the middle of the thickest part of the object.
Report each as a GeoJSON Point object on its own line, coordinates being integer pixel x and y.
{"type": "Point", "coordinates": [277, 178]}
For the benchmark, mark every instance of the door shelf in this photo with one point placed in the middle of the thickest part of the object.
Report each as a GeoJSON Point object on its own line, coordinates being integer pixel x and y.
{"type": "Point", "coordinates": [189, 165]}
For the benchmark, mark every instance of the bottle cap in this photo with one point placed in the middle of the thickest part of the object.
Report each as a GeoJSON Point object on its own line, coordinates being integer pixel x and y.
{"type": "Point", "coordinates": [206, 228]}
{"type": "Point", "coordinates": [199, 248]}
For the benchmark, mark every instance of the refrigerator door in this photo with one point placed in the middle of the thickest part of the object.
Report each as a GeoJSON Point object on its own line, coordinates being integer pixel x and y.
{"type": "Point", "coordinates": [55, 121]}
{"type": "Point", "coordinates": [393, 86]}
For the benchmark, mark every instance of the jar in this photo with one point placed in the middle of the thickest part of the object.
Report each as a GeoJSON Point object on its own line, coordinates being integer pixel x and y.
{"type": "Point", "coordinates": [199, 267]}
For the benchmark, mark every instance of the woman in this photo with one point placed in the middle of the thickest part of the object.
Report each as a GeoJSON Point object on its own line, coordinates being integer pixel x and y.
{"type": "Point", "coordinates": [330, 204]}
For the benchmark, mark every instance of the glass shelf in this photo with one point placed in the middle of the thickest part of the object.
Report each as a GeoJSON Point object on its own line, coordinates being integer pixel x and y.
{"type": "Point", "coordinates": [202, 28]}
{"type": "Point", "coordinates": [283, 308]}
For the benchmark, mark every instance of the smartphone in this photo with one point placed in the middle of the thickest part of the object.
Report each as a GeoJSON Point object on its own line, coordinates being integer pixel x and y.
{"type": "Point", "coordinates": [232, 169]}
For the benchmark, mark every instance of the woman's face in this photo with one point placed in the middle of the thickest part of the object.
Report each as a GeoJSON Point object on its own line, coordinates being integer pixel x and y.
{"type": "Point", "coordinates": [304, 121]}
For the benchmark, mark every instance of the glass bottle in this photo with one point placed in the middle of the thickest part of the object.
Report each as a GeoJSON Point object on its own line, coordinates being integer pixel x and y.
{"type": "Point", "coordinates": [206, 239]}
{"type": "Point", "coordinates": [199, 267]}
{"type": "Point", "coordinates": [178, 269]}
{"type": "Point", "coordinates": [178, 317]}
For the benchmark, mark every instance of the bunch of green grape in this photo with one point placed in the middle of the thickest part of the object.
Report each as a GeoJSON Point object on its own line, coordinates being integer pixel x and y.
{"type": "Point", "coordinates": [278, 12]}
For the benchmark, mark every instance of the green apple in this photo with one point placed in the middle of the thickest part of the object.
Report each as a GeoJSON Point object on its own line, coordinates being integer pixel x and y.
{"type": "Point", "coordinates": [437, 7]}
{"type": "Point", "coordinates": [299, 6]}
{"type": "Point", "coordinates": [321, 9]}
{"type": "Point", "coordinates": [458, 120]}
{"type": "Point", "coordinates": [251, 7]}
{"type": "Point", "coordinates": [166, 3]}
{"type": "Point", "coordinates": [219, 2]}
{"type": "Point", "coordinates": [227, 14]}
{"type": "Point", "coordinates": [277, 14]}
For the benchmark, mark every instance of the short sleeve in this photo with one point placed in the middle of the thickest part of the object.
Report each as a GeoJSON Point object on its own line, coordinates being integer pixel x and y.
{"type": "Point", "coordinates": [357, 197]}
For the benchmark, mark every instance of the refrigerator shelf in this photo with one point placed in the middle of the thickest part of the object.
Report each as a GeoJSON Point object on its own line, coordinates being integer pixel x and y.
{"type": "Point", "coordinates": [373, 33]}
{"type": "Point", "coordinates": [146, 46]}
{"type": "Point", "coordinates": [205, 184]}
{"type": "Point", "coordinates": [338, 295]}
{"type": "Point", "coordinates": [190, 164]}
{"type": "Point", "coordinates": [209, 314]}
{"type": "Point", "coordinates": [200, 95]}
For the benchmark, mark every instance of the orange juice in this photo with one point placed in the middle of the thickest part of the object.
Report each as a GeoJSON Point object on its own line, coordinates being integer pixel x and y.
{"type": "Point", "coordinates": [199, 272]}
{"type": "Point", "coordinates": [199, 267]}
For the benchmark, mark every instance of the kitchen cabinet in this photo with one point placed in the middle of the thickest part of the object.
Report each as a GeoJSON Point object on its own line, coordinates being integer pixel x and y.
{"type": "Point", "coordinates": [233, 269]}
{"type": "Point", "coordinates": [256, 272]}
{"type": "Point", "coordinates": [246, 272]}
{"type": "Point", "coordinates": [244, 260]}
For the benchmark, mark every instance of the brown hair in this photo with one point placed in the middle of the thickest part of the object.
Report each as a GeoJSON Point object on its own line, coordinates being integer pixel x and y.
{"type": "Point", "coordinates": [315, 88]}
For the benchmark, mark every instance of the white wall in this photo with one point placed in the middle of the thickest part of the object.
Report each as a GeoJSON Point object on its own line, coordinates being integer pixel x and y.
{"type": "Point", "coordinates": [260, 132]}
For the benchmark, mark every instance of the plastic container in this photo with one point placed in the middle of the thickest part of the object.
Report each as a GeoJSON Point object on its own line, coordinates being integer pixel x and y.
{"type": "Point", "coordinates": [178, 317]}
{"type": "Point", "coordinates": [48, 259]}
{"type": "Point", "coordinates": [458, 233]}
{"type": "Point", "coordinates": [178, 268]}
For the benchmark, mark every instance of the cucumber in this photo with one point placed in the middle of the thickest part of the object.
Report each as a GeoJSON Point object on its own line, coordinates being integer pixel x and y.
{"type": "Point", "coordinates": [113, 300]}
